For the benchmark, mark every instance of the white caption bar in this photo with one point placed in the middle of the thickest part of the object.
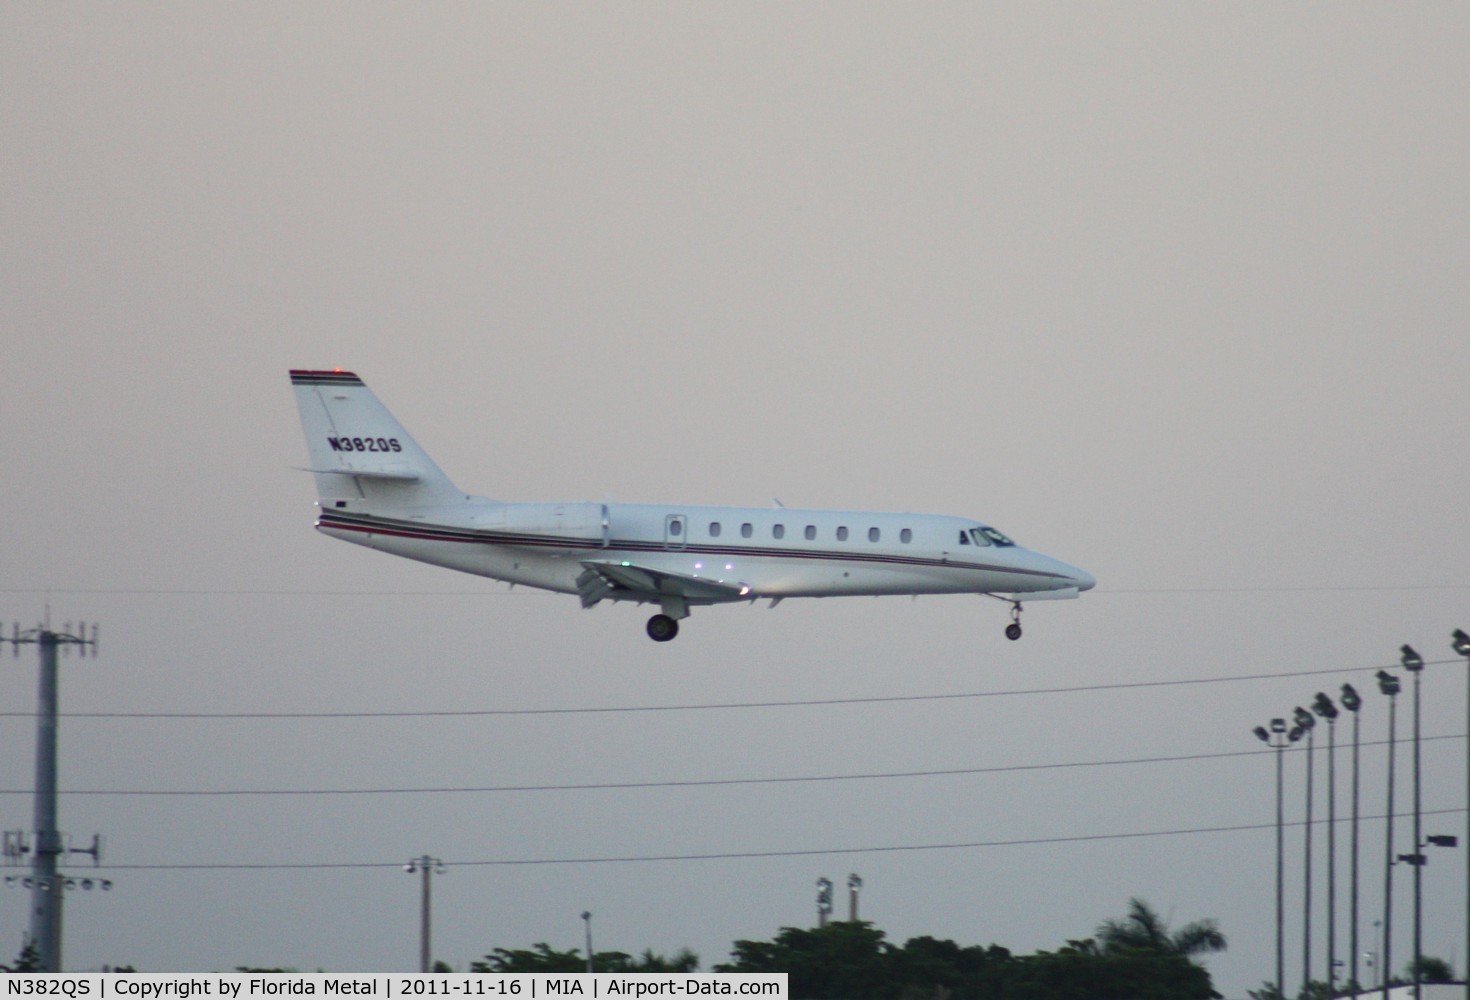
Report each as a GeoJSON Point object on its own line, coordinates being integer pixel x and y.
{"type": "Point", "coordinates": [519, 986]}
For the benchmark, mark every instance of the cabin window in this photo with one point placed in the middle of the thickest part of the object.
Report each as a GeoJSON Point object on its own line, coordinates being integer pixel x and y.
{"type": "Point", "coordinates": [676, 526]}
{"type": "Point", "coordinates": [745, 530]}
{"type": "Point", "coordinates": [779, 531]}
{"type": "Point", "coordinates": [874, 534]}
{"type": "Point", "coordinates": [811, 532]}
{"type": "Point", "coordinates": [905, 536]}
{"type": "Point", "coordinates": [714, 529]}
{"type": "Point", "coordinates": [842, 534]}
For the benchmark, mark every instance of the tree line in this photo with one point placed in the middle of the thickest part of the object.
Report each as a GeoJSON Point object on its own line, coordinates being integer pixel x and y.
{"type": "Point", "coordinates": [1134, 958]}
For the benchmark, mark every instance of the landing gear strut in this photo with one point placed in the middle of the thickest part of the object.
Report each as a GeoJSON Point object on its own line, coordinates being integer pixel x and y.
{"type": "Point", "coordinates": [662, 628]}
{"type": "Point", "coordinates": [1013, 630]}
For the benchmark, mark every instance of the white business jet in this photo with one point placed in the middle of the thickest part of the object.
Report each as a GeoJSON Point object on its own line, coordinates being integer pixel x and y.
{"type": "Point", "coordinates": [378, 488]}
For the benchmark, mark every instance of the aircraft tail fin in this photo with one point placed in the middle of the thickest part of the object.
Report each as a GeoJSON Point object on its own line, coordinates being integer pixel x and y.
{"type": "Point", "coordinates": [359, 451]}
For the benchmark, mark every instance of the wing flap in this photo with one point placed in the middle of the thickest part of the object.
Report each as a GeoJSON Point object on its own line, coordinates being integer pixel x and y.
{"type": "Point", "coordinates": [628, 581]}
{"type": "Point", "coordinates": [1064, 594]}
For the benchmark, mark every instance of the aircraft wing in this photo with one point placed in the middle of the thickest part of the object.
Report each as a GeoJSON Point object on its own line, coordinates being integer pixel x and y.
{"type": "Point", "coordinates": [627, 581]}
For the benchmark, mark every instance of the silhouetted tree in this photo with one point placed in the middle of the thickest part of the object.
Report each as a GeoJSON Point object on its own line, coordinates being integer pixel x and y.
{"type": "Point", "coordinates": [29, 960]}
{"type": "Point", "coordinates": [1144, 930]}
{"type": "Point", "coordinates": [843, 961]}
{"type": "Point", "coordinates": [542, 958]}
{"type": "Point", "coordinates": [1431, 970]}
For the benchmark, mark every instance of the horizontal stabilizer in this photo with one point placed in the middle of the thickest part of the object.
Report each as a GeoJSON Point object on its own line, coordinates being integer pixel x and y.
{"type": "Point", "coordinates": [398, 475]}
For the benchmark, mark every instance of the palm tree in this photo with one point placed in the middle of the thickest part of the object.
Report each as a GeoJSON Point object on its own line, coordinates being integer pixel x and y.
{"type": "Point", "coordinates": [1144, 930]}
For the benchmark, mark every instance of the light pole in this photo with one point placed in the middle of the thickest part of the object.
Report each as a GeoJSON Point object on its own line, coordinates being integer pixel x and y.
{"type": "Point", "coordinates": [824, 900]}
{"type": "Point", "coordinates": [1352, 703]}
{"type": "Point", "coordinates": [427, 866]}
{"type": "Point", "coordinates": [1305, 723]}
{"type": "Point", "coordinates": [1323, 706]}
{"type": "Point", "coordinates": [1460, 642]}
{"type": "Point", "coordinates": [1275, 738]}
{"type": "Point", "coordinates": [854, 883]}
{"type": "Point", "coordinates": [1414, 664]}
{"type": "Point", "coordinates": [587, 919]}
{"type": "Point", "coordinates": [1389, 685]}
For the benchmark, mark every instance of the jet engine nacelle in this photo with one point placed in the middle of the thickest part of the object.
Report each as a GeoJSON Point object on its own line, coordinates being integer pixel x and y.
{"type": "Point", "coordinates": [558, 520]}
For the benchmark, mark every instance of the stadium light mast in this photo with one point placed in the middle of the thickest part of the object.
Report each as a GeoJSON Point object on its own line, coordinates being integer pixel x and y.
{"type": "Point", "coordinates": [1305, 722]}
{"type": "Point", "coordinates": [1414, 664]}
{"type": "Point", "coordinates": [1351, 701]}
{"type": "Point", "coordinates": [1323, 706]}
{"type": "Point", "coordinates": [1276, 738]}
{"type": "Point", "coordinates": [1389, 685]}
{"type": "Point", "coordinates": [1460, 642]}
{"type": "Point", "coordinates": [824, 900]}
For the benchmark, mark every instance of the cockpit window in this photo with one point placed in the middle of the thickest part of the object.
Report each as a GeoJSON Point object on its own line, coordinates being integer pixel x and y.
{"type": "Point", "coordinates": [989, 536]}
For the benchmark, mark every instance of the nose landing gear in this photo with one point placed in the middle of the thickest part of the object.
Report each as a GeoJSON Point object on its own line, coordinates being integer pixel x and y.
{"type": "Point", "coordinates": [1013, 630]}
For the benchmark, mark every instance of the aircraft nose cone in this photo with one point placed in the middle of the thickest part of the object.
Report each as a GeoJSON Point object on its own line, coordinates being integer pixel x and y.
{"type": "Point", "coordinates": [1085, 580]}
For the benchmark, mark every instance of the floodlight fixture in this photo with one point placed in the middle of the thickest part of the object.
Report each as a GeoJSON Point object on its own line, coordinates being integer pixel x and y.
{"type": "Point", "coordinates": [1411, 660]}
{"type": "Point", "coordinates": [1350, 699]}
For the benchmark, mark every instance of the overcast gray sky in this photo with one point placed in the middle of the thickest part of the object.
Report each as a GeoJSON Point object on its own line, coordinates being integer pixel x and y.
{"type": "Point", "coordinates": [1176, 293]}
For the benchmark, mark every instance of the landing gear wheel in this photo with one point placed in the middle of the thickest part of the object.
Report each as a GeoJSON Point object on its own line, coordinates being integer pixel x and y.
{"type": "Point", "coordinates": [662, 628]}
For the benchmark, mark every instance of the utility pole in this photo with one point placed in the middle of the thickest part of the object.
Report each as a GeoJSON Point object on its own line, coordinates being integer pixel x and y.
{"type": "Point", "coordinates": [429, 866]}
{"type": "Point", "coordinates": [45, 884]}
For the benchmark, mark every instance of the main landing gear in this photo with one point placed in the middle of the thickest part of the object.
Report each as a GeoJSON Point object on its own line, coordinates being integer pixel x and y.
{"type": "Point", "coordinates": [662, 628]}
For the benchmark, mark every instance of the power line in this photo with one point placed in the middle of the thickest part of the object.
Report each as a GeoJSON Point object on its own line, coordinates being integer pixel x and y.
{"type": "Point", "coordinates": [691, 783]}
{"type": "Point", "coordinates": [802, 703]}
{"type": "Point", "coordinates": [736, 855]}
